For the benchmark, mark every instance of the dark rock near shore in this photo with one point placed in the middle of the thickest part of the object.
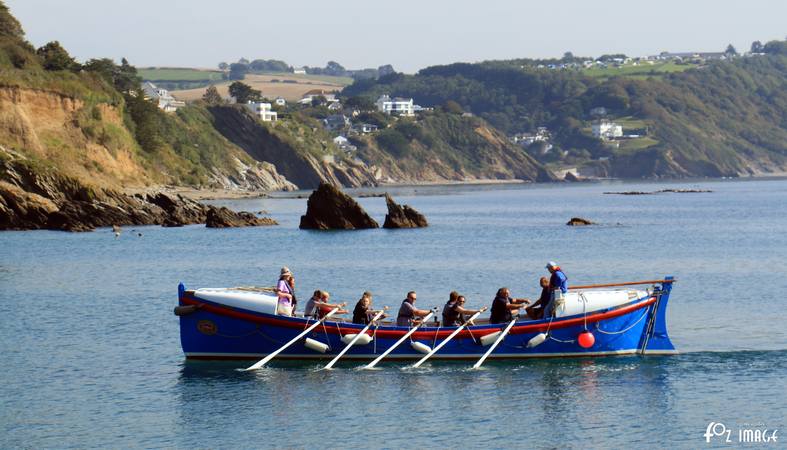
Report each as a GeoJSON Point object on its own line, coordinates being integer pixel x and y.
{"type": "Point", "coordinates": [402, 216]}
{"type": "Point", "coordinates": [329, 208]}
{"type": "Point", "coordinates": [578, 222]}
{"type": "Point", "coordinates": [33, 198]}
{"type": "Point", "coordinates": [570, 177]}
{"type": "Point", "coordinates": [222, 217]}
{"type": "Point", "coordinates": [662, 191]}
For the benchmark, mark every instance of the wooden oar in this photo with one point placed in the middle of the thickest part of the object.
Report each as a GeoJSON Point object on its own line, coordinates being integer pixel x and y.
{"type": "Point", "coordinates": [492, 348]}
{"type": "Point", "coordinates": [445, 341]}
{"type": "Point", "coordinates": [352, 342]}
{"type": "Point", "coordinates": [403, 338]}
{"type": "Point", "coordinates": [308, 330]}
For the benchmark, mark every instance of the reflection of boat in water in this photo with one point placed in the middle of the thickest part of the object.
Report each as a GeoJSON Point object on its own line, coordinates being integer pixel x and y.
{"type": "Point", "coordinates": [238, 323]}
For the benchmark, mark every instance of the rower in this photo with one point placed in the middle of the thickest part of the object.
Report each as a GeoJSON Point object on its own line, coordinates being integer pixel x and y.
{"type": "Point", "coordinates": [504, 307]}
{"type": "Point", "coordinates": [408, 313]}
{"type": "Point", "coordinates": [363, 312]}
{"type": "Point", "coordinates": [454, 312]}
{"type": "Point", "coordinates": [323, 307]}
{"type": "Point", "coordinates": [536, 310]}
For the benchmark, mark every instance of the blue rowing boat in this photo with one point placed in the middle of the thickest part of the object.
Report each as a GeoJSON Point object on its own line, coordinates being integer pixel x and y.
{"type": "Point", "coordinates": [241, 323]}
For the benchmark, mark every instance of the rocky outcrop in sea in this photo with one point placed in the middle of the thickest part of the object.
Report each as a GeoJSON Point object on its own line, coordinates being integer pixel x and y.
{"type": "Point", "coordinates": [34, 198]}
{"type": "Point", "coordinates": [328, 208]}
{"type": "Point", "coordinates": [402, 216]}
{"type": "Point", "coordinates": [578, 222]}
{"type": "Point", "coordinates": [222, 217]}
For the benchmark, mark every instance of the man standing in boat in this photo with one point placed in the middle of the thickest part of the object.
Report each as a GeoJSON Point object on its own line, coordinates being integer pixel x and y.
{"type": "Point", "coordinates": [408, 313]}
{"type": "Point", "coordinates": [558, 286]}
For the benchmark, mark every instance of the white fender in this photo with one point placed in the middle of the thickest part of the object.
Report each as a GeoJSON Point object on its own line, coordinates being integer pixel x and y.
{"type": "Point", "coordinates": [490, 339]}
{"type": "Point", "coordinates": [420, 347]}
{"type": "Point", "coordinates": [317, 346]}
{"type": "Point", "coordinates": [536, 340]}
{"type": "Point", "coordinates": [365, 339]}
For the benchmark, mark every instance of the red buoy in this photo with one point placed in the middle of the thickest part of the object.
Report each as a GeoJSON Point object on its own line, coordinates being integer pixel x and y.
{"type": "Point", "coordinates": [586, 339]}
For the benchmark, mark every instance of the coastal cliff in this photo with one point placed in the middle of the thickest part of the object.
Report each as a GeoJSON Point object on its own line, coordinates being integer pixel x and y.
{"type": "Point", "coordinates": [301, 151]}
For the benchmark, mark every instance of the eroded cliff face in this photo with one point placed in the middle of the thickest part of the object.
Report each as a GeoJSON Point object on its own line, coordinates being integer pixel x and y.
{"type": "Point", "coordinates": [91, 142]}
{"type": "Point", "coordinates": [87, 141]}
{"type": "Point", "coordinates": [307, 164]}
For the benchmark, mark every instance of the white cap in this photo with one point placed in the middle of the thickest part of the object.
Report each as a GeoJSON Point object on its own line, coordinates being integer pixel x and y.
{"type": "Point", "coordinates": [551, 264]}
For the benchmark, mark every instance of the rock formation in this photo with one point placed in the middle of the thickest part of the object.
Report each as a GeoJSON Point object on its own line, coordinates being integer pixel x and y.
{"type": "Point", "coordinates": [222, 217]}
{"type": "Point", "coordinates": [578, 221]}
{"type": "Point", "coordinates": [328, 208]}
{"type": "Point", "coordinates": [33, 197]}
{"type": "Point", "coordinates": [402, 216]}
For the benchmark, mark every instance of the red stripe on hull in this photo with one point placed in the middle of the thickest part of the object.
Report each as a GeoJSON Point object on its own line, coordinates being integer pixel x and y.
{"type": "Point", "coordinates": [393, 334]}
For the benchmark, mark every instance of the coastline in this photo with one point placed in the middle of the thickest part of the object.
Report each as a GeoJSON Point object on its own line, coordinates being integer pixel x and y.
{"type": "Point", "coordinates": [362, 191]}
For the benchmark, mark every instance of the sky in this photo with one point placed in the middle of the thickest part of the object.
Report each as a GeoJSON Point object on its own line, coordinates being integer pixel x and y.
{"type": "Point", "coordinates": [409, 34]}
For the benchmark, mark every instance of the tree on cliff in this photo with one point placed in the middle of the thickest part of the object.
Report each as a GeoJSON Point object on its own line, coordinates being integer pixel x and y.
{"type": "Point", "coordinates": [123, 77]}
{"type": "Point", "coordinates": [730, 51]}
{"type": "Point", "coordinates": [238, 71]}
{"type": "Point", "coordinates": [211, 96]}
{"type": "Point", "coordinates": [54, 57]}
{"type": "Point", "coordinates": [756, 47]}
{"type": "Point", "coordinates": [244, 93]}
{"type": "Point", "coordinates": [9, 26]}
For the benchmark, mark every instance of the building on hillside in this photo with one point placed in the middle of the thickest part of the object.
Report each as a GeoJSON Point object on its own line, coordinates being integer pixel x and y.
{"type": "Point", "coordinates": [344, 144]}
{"type": "Point", "coordinates": [527, 139]}
{"type": "Point", "coordinates": [395, 106]}
{"type": "Point", "coordinates": [363, 128]}
{"type": "Point", "coordinates": [280, 101]}
{"type": "Point", "coordinates": [263, 111]}
{"type": "Point", "coordinates": [162, 97]}
{"type": "Point", "coordinates": [607, 130]}
{"type": "Point", "coordinates": [335, 106]}
{"type": "Point", "coordinates": [598, 111]}
{"type": "Point", "coordinates": [308, 97]}
{"type": "Point", "coordinates": [698, 56]}
{"type": "Point", "coordinates": [336, 122]}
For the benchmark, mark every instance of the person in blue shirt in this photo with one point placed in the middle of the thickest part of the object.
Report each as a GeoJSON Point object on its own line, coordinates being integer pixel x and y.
{"type": "Point", "coordinates": [558, 286]}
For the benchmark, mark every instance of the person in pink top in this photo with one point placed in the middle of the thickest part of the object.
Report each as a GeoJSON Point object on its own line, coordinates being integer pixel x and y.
{"type": "Point", "coordinates": [284, 292]}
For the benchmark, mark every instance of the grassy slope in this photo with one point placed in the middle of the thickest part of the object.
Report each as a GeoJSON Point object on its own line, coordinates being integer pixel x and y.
{"type": "Point", "coordinates": [449, 147]}
{"type": "Point", "coordinates": [725, 118]}
{"type": "Point", "coordinates": [179, 74]}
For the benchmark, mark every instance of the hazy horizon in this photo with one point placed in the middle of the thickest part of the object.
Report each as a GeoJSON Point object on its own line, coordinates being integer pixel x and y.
{"type": "Point", "coordinates": [409, 35]}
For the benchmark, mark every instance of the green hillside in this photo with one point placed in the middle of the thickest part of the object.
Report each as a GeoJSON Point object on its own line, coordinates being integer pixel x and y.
{"type": "Point", "coordinates": [723, 118]}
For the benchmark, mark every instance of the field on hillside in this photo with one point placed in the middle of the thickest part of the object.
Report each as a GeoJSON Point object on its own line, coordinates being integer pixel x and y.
{"type": "Point", "coordinates": [178, 74]}
{"type": "Point", "coordinates": [642, 69]}
{"type": "Point", "coordinates": [293, 90]}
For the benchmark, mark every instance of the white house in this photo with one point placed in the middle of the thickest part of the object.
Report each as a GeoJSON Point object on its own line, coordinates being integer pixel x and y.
{"type": "Point", "coordinates": [262, 110]}
{"type": "Point", "coordinates": [280, 101]}
{"type": "Point", "coordinates": [163, 98]}
{"type": "Point", "coordinates": [607, 130]}
{"type": "Point", "coordinates": [299, 71]}
{"type": "Point", "coordinates": [395, 106]}
{"type": "Point", "coordinates": [330, 97]}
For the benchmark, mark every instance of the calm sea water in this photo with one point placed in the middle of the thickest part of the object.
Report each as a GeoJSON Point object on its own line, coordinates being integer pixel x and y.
{"type": "Point", "coordinates": [91, 352]}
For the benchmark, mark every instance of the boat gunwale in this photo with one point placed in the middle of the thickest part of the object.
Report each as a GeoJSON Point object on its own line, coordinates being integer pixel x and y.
{"type": "Point", "coordinates": [343, 328]}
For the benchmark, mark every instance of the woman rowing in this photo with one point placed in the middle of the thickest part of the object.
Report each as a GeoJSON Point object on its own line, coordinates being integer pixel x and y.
{"type": "Point", "coordinates": [363, 312]}
{"type": "Point", "coordinates": [454, 311]}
